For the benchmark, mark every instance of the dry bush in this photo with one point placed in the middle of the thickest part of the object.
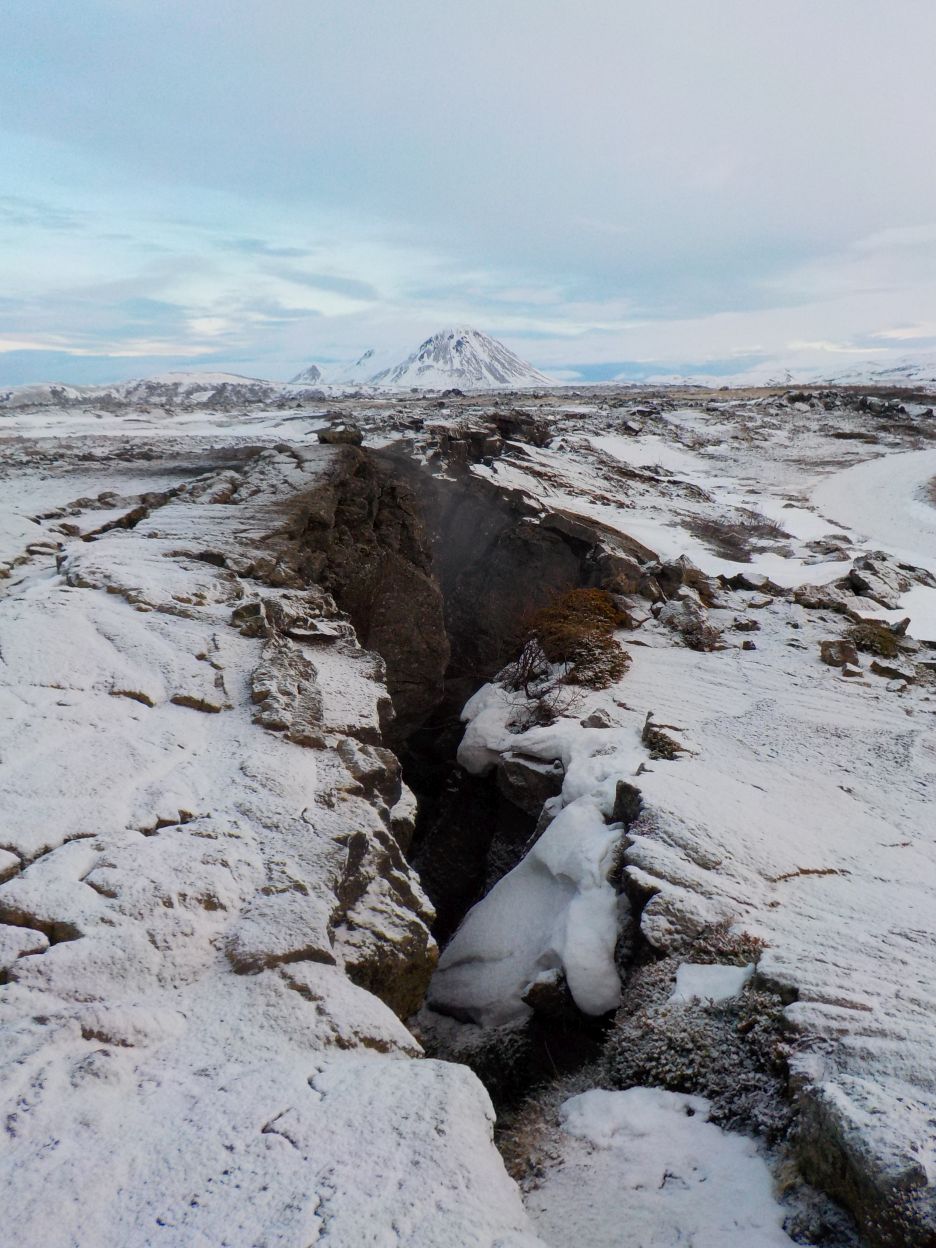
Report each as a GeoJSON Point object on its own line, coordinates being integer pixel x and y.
{"type": "Point", "coordinates": [735, 537]}
{"type": "Point", "coordinates": [873, 638]}
{"type": "Point", "coordinates": [574, 633]}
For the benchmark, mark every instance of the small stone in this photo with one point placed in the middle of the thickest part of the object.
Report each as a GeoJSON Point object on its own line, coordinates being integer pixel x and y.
{"type": "Point", "coordinates": [896, 686]}
{"type": "Point", "coordinates": [747, 644]}
{"type": "Point", "coordinates": [599, 718]}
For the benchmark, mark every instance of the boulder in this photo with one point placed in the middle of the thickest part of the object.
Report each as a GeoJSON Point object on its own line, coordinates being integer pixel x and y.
{"type": "Point", "coordinates": [599, 718]}
{"type": "Point", "coordinates": [879, 581]}
{"type": "Point", "coordinates": [838, 652]}
{"type": "Point", "coordinates": [341, 435]}
{"type": "Point", "coordinates": [529, 782]}
{"type": "Point", "coordinates": [893, 671]}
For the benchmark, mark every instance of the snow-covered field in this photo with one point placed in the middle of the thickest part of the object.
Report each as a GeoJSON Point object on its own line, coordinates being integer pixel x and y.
{"type": "Point", "coordinates": [208, 933]}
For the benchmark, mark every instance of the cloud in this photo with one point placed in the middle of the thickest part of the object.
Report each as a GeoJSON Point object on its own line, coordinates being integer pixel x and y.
{"type": "Point", "coordinates": [259, 247]}
{"type": "Point", "coordinates": [596, 183]}
{"type": "Point", "coordinates": [350, 287]}
{"type": "Point", "coordinates": [23, 212]}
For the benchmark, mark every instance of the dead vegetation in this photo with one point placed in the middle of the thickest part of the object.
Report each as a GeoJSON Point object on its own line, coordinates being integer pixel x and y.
{"type": "Point", "coordinates": [660, 743]}
{"type": "Point", "coordinates": [569, 642]}
{"type": "Point", "coordinates": [736, 538]}
{"type": "Point", "coordinates": [873, 638]}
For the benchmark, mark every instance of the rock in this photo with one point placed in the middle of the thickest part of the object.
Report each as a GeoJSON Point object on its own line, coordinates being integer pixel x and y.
{"type": "Point", "coordinates": [520, 426]}
{"type": "Point", "coordinates": [285, 687]}
{"type": "Point", "coordinates": [674, 574]}
{"type": "Point", "coordinates": [878, 581]}
{"type": "Point", "coordinates": [747, 644]}
{"type": "Point", "coordinates": [341, 435]}
{"type": "Point", "coordinates": [616, 571]}
{"type": "Point", "coordinates": [628, 803]}
{"type": "Point", "coordinates": [549, 997]}
{"type": "Point", "coordinates": [9, 865]}
{"type": "Point", "coordinates": [850, 670]}
{"type": "Point", "coordinates": [756, 581]}
{"type": "Point", "coordinates": [599, 718]}
{"type": "Point", "coordinates": [18, 942]}
{"type": "Point", "coordinates": [837, 597]}
{"type": "Point", "coordinates": [280, 927]}
{"type": "Point", "coordinates": [529, 782]}
{"type": "Point", "coordinates": [838, 652]}
{"type": "Point", "coordinates": [746, 626]}
{"type": "Point", "coordinates": [892, 671]}
{"type": "Point", "coordinates": [687, 619]}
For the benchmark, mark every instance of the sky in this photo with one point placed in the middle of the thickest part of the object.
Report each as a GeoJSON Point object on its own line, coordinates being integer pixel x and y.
{"type": "Point", "coordinates": [609, 186]}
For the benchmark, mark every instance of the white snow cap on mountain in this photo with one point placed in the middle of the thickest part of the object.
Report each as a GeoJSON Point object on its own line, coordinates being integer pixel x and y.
{"type": "Point", "coordinates": [462, 357]}
{"type": "Point", "coordinates": [309, 376]}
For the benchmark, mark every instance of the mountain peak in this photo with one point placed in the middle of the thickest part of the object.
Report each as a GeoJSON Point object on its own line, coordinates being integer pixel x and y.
{"type": "Point", "coordinates": [309, 376]}
{"type": "Point", "coordinates": [464, 357]}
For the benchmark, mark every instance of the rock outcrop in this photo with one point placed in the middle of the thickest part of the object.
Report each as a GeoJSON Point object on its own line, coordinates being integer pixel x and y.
{"type": "Point", "coordinates": [209, 932]}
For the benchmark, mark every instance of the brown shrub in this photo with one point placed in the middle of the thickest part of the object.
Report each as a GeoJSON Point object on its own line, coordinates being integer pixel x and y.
{"type": "Point", "coordinates": [873, 638]}
{"type": "Point", "coordinates": [576, 631]}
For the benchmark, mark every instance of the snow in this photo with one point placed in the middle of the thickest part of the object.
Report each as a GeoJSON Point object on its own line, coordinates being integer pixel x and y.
{"type": "Point", "coordinates": [885, 368]}
{"type": "Point", "coordinates": [646, 1167]}
{"type": "Point", "coordinates": [885, 499]}
{"type": "Point", "coordinates": [709, 982]}
{"type": "Point", "coordinates": [186, 1059]}
{"type": "Point", "coordinates": [177, 954]}
{"type": "Point", "coordinates": [800, 811]}
{"type": "Point", "coordinates": [556, 911]}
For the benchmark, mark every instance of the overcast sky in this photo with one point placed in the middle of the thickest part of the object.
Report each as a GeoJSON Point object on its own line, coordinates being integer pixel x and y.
{"type": "Point", "coordinates": [606, 185]}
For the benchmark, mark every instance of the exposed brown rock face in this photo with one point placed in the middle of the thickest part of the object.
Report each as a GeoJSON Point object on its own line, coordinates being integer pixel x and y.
{"type": "Point", "coordinates": [360, 536]}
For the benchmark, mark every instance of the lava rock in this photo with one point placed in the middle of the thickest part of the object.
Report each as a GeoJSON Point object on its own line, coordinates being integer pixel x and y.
{"type": "Point", "coordinates": [838, 652]}
{"type": "Point", "coordinates": [341, 435]}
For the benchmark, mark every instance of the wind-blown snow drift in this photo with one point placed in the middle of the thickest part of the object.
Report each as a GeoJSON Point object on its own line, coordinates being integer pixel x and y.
{"type": "Point", "coordinates": [554, 912]}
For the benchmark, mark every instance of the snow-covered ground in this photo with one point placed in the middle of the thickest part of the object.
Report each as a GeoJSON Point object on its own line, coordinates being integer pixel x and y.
{"type": "Point", "coordinates": [799, 813]}
{"type": "Point", "coordinates": [200, 860]}
{"type": "Point", "coordinates": [202, 869]}
{"type": "Point", "coordinates": [666, 1176]}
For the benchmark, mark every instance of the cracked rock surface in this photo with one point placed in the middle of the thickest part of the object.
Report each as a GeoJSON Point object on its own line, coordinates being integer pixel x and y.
{"type": "Point", "coordinates": [209, 932]}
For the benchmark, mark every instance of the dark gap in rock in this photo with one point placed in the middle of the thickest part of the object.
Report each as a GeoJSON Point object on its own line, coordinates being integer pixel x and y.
{"type": "Point", "coordinates": [468, 835]}
{"type": "Point", "coordinates": [439, 574]}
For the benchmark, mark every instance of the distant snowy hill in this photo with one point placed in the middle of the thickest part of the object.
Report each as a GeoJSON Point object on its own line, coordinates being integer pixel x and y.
{"type": "Point", "coordinates": [917, 371]}
{"type": "Point", "coordinates": [165, 389]}
{"type": "Point", "coordinates": [309, 376]}
{"type": "Point", "coordinates": [361, 372]}
{"type": "Point", "coordinates": [463, 357]}
{"type": "Point", "coordinates": [196, 388]}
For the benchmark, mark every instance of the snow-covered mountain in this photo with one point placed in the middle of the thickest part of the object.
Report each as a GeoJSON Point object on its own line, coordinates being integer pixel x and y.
{"type": "Point", "coordinates": [462, 357]}
{"type": "Point", "coordinates": [196, 388]}
{"type": "Point", "coordinates": [165, 389]}
{"type": "Point", "coordinates": [309, 376]}
{"type": "Point", "coordinates": [362, 370]}
{"type": "Point", "coordinates": [914, 371]}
